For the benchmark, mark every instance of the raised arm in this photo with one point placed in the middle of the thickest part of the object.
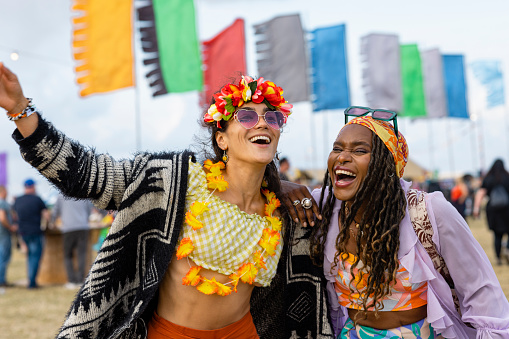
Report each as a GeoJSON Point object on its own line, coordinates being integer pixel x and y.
{"type": "Point", "coordinates": [77, 171]}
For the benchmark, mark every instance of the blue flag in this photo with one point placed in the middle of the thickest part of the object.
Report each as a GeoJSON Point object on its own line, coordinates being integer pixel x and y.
{"type": "Point", "coordinates": [489, 74]}
{"type": "Point", "coordinates": [329, 69]}
{"type": "Point", "coordinates": [455, 87]}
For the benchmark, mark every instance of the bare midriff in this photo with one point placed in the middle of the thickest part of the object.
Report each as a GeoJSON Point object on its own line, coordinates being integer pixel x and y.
{"type": "Point", "coordinates": [389, 319]}
{"type": "Point", "coordinates": [188, 307]}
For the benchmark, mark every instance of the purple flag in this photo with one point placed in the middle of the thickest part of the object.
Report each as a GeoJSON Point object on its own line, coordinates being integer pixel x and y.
{"type": "Point", "coordinates": [3, 169]}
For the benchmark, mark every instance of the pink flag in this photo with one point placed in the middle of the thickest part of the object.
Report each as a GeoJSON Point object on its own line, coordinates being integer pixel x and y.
{"type": "Point", "coordinates": [224, 59]}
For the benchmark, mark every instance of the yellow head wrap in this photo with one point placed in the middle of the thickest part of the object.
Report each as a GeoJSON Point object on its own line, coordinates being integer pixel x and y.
{"type": "Point", "coordinates": [385, 131]}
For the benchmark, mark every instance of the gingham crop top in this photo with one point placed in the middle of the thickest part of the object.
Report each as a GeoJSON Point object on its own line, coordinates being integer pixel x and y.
{"type": "Point", "coordinates": [229, 236]}
{"type": "Point", "coordinates": [404, 295]}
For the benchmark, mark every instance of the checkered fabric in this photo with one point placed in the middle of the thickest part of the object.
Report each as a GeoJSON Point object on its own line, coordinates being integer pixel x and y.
{"type": "Point", "coordinates": [229, 236]}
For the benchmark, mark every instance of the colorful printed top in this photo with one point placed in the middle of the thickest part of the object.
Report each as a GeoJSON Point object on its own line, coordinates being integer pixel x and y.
{"type": "Point", "coordinates": [404, 294]}
{"type": "Point", "coordinates": [230, 237]}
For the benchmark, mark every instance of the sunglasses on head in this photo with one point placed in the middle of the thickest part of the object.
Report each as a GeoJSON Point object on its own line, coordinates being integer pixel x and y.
{"type": "Point", "coordinates": [249, 118]}
{"type": "Point", "coordinates": [378, 114]}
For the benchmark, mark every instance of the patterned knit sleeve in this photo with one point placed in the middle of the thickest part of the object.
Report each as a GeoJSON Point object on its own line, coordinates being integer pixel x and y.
{"type": "Point", "coordinates": [75, 170]}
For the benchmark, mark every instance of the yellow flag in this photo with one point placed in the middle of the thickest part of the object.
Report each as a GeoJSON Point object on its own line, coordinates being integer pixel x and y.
{"type": "Point", "coordinates": [102, 45]}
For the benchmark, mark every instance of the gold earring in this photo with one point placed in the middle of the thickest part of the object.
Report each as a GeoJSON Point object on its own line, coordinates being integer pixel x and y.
{"type": "Point", "coordinates": [225, 157]}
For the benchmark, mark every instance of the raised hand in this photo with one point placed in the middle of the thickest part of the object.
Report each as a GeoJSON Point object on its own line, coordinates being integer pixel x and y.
{"type": "Point", "coordinates": [11, 94]}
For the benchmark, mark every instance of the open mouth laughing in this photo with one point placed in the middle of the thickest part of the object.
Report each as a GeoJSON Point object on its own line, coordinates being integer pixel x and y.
{"type": "Point", "coordinates": [260, 139]}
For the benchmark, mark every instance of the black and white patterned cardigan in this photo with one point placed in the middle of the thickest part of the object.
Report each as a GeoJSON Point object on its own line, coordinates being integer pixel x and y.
{"type": "Point", "coordinates": [120, 291]}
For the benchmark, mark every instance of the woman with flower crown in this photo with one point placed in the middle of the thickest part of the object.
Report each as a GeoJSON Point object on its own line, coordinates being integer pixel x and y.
{"type": "Point", "coordinates": [196, 250]}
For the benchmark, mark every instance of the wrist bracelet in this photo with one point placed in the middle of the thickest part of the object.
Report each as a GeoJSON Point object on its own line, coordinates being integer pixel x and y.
{"type": "Point", "coordinates": [28, 111]}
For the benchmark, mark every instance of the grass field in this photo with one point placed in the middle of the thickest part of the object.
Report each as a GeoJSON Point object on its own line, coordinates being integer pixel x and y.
{"type": "Point", "coordinates": [37, 314]}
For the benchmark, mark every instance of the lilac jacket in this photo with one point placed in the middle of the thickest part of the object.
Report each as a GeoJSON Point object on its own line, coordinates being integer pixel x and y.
{"type": "Point", "coordinates": [483, 303]}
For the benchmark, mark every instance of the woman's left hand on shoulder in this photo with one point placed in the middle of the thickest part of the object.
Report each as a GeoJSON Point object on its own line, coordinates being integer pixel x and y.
{"type": "Point", "coordinates": [294, 196]}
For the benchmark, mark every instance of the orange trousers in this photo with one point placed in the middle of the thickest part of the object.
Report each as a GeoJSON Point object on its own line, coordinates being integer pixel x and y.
{"type": "Point", "coordinates": [160, 328]}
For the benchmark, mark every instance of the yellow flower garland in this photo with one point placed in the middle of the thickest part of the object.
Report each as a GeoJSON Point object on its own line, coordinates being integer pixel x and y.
{"type": "Point", "coordinates": [247, 272]}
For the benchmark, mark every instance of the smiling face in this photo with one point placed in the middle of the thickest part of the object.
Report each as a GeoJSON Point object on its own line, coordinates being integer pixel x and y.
{"type": "Point", "coordinates": [256, 145]}
{"type": "Point", "coordinates": [349, 160]}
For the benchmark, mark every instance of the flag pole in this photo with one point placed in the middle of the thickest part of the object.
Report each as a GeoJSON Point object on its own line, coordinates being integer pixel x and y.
{"type": "Point", "coordinates": [449, 147]}
{"type": "Point", "coordinates": [137, 101]}
{"type": "Point", "coordinates": [325, 134]}
{"type": "Point", "coordinates": [506, 119]}
{"type": "Point", "coordinates": [473, 126]}
{"type": "Point", "coordinates": [313, 141]}
{"type": "Point", "coordinates": [430, 143]}
{"type": "Point", "coordinates": [480, 137]}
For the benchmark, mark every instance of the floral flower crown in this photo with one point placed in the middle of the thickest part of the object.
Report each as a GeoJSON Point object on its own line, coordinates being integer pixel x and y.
{"type": "Point", "coordinates": [233, 96]}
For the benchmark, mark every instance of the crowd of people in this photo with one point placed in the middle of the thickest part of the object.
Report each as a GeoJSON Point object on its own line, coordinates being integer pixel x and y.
{"type": "Point", "coordinates": [25, 221]}
{"type": "Point", "coordinates": [215, 245]}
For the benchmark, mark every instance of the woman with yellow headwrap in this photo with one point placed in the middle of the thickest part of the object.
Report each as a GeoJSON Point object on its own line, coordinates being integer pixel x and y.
{"type": "Point", "coordinates": [391, 254]}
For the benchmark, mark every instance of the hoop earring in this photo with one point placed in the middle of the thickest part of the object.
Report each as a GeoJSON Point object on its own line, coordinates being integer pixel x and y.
{"type": "Point", "coordinates": [225, 157]}
{"type": "Point", "coordinates": [277, 156]}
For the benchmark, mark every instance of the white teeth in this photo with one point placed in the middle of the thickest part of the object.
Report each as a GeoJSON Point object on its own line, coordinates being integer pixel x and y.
{"type": "Point", "coordinates": [260, 137]}
{"type": "Point", "coordinates": [346, 173]}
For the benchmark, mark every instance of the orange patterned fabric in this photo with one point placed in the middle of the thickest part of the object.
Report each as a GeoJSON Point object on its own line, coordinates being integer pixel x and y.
{"type": "Point", "coordinates": [397, 146]}
{"type": "Point", "coordinates": [404, 294]}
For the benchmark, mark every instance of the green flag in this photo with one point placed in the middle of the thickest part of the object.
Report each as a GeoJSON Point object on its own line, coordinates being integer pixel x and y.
{"type": "Point", "coordinates": [171, 33]}
{"type": "Point", "coordinates": [412, 82]}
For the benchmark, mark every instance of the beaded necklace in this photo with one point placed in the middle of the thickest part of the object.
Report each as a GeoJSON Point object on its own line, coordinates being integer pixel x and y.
{"type": "Point", "coordinates": [248, 271]}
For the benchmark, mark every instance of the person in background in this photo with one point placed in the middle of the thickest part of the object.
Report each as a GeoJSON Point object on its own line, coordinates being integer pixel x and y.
{"type": "Point", "coordinates": [31, 211]}
{"type": "Point", "coordinates": [495, 186]}
{"type": "Point", "coordinates": [6, 229]}
{"type": "Point", "coordinates": [460, 193]}
{"type": "Point", "coordinates": [284, 167]}
{"type": "Point", "coordinates": [75, 227]}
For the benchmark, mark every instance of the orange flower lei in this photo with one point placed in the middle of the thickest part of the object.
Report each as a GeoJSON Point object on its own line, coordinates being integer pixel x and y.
{"type": "Point", "coordinates": [247, 272]}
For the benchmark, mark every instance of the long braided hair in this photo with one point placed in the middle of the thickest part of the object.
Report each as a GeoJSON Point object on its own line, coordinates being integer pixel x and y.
{"type": "Point", "coordinates": [378, 240]}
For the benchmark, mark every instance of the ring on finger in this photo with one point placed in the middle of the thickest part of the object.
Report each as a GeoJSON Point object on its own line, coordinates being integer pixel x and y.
{"type": "Point", "coordinates": [306, 203]}
{"type": "Point", "coordinates": [296, 202]}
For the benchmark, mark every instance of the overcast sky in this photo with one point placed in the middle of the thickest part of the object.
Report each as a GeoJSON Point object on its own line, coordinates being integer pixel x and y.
{"type": "Point", "coordinates": [40, 31]}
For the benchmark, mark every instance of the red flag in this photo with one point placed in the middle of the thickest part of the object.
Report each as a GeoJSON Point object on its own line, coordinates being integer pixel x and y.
{"type": "Point", "coordinates": [224, 59]}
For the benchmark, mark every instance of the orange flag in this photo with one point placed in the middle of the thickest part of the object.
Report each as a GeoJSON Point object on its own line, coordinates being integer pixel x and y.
{"type": "Point", "coordinates": [102, 45]}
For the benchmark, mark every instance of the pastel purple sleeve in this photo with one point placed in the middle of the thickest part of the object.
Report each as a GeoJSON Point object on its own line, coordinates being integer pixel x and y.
{"type": "Point", "coordinates": [483, 303]}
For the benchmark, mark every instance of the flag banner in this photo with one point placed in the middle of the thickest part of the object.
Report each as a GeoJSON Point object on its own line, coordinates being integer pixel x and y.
{"type": "Point", "coordinates": [411, 82]}
{"type": "Point", "coordinates": [434, 87]}
{"type": "Point", "coordinates": [489, 73]}
{"type": "Point", "coordinates": [224, 59]}
{"type": "Point", "coordinates": [102, 45]}
{"type": "Point", "coordinates": [381, 76]}
{"type": "Point", "coordinates": [329, 68]}
{"type": "Point", "coordinates": [455, 86]}
{"type": "Point", "coordinates": [281, 55]}
{"type": "Point", "coordinates": [169, 32]}
{"type": "Point", "coordinates": [3, 169]}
